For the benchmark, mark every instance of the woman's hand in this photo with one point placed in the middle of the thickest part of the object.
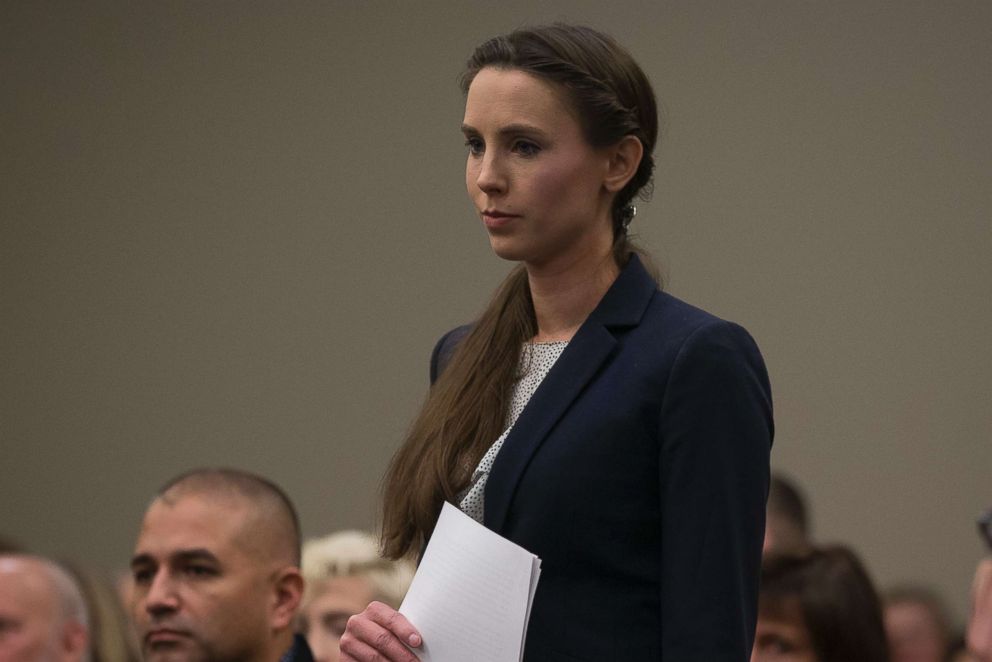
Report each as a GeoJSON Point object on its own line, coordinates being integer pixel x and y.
{"type": "Point", "coordinates": [380, 633]}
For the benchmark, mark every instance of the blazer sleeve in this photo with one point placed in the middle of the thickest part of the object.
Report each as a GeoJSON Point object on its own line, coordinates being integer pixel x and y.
{"type": "Point", "coordinates": [716, 433]}
{"type": "Point", "coordinates": [445, 348]}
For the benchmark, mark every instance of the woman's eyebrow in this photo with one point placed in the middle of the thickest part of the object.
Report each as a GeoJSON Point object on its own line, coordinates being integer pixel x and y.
{"type": "Point", "coordinates": [509, 129]}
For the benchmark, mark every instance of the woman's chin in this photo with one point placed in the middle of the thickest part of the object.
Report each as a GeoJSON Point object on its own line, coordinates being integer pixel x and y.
{"type": "Point", "coordinates": [507, 250]}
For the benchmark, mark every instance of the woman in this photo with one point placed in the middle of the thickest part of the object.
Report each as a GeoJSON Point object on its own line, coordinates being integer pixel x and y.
{"type": "Point", "coordinates": [818, 607]}
{"type": "Point", "coordinates": [343, 573]}
{"type": "Point", "coordinates": [609, 428]}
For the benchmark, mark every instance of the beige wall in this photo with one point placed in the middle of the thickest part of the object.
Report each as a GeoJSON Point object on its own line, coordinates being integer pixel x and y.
{"type": "Point", "coordinates": [232, 231]}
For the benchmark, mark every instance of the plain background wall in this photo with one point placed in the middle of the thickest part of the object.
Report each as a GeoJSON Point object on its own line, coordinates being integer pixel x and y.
{"type": "Point", "coordinates": [231, 233]}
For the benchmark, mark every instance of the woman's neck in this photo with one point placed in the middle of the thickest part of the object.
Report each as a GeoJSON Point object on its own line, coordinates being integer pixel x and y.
{"type": "Point", "coordinates": [564, 295]}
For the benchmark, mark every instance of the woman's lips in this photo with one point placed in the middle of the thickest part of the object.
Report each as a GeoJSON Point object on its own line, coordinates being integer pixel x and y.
{"type": "Point", "coordinates": [495, 219]}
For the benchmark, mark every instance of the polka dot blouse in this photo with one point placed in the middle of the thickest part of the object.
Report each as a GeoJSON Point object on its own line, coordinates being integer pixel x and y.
{"type": "Point", "coordinates": [536, 360]}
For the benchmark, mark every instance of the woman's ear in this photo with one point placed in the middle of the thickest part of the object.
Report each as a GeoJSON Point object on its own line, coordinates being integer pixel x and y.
{"type": "Point", "coordinates": [625, 158]}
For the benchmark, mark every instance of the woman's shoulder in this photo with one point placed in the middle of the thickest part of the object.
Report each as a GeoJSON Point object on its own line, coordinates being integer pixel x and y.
{"type": "Point", "coordinates": [674, 326]}
{"type": "Point", "coordinates": [675, 314]}
{"type": "Point", "coordinates": [445, 348]}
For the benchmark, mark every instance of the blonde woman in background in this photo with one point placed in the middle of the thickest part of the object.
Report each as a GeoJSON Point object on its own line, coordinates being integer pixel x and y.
{"type": "Point", "coordinates": [344, 573]}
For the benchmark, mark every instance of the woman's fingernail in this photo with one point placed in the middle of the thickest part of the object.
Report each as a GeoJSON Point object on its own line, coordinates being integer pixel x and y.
{"type": "Point", "coordinates": [414, 640]}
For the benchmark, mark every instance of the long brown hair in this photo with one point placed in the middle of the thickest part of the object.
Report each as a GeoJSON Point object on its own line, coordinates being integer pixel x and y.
{"type": "Point", "coordinates": [466, 409]}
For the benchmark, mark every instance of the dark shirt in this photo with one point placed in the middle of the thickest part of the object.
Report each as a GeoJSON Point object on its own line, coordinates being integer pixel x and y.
{"type": "Point", "coordinates": [298, 652]}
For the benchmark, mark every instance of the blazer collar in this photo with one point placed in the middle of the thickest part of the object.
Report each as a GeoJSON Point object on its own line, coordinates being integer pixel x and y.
{"type": "Point", "coordinates": [623, 305]}
{"type": "Point", "coordinates": [627, 299]}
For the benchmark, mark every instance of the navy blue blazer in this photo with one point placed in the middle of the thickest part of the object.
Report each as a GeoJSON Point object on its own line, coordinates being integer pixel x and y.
{"type": "Point", "coordinates": [638, 472]}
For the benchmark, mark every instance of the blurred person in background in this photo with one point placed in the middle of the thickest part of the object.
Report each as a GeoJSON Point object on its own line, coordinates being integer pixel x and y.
{"type": "Point", "coordinates": [917, 624]}
{"type": "Point", "coordinates": [112, 636]}
{"type": "Point", "coordinates": [979, 634]}
{"type": "Point", "coordinates": [787, 527]}
{"type": "Point", "coordinates": [43, 616]}
{"type": "Point", "coordinates": [819, 606]}
{"type": "Point", "coordinates": [343, 573]}
{"type": "Point", "coordinates": [9, 546]}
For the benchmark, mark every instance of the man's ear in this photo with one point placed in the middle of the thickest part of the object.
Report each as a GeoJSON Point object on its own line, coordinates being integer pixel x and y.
{"type": "Point", "coordinates": [287, 593]}
{"type": "Point", "coordinates": [75, 642]}
{"type": "Point", "coordinates": [625, 158]}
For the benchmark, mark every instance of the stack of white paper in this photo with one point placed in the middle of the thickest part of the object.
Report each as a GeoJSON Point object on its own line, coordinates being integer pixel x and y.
{"type": "Point", "coordinates": [472, 593]}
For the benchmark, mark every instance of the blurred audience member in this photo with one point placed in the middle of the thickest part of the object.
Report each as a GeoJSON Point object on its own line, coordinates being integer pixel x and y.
{"type": "Point", "coordinates": [787, 521]}
{"type": "Point", "coordinates": [111, 632]}
{"type": "Point", "coordinates": [818, 607]}
{"type": "Point", "coordinates": [917, 625]}
{"type": "Point", "coordinates": [42, 612]}
{"type": "Point", "coordinates": [216, 571]}
{"type": "Point", "coordinates": [9, 546]}
{"type": "Point", "coordinates": [979, 635]}
{"type": "Point", "coordinates": [344, 573]}
{"type": "Point", "coordinates": [959, 652]}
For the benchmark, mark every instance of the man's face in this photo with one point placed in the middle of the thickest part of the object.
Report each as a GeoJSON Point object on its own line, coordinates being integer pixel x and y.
{"type": "Point", "coordinates": [202, 592]}
{"type": "Point", "coordinates": [913, 632]}
{"type": "Point", "coordinates": [28, 629]}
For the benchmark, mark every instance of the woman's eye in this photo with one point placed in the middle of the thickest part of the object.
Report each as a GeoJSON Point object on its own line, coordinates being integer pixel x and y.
{"type": "Point", "coordinates": [526, 148]}
{"type": "Point", "coordinates": [475, 146]}
{"type": "Point", "coordinates": [335, 624]}
{"type": "Point", "coordinates": [781, 646]}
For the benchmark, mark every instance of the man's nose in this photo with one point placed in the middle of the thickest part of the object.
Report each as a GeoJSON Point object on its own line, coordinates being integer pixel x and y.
{"type": "Point", "coordinates": [162, 596]}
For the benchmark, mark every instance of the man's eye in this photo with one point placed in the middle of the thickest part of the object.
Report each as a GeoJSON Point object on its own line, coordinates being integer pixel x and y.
{"type": "Point", "coordinates": [9, 625]}
{"type": "Point", "coordinates": [200, 571]}
{"type": "Point", "coordinates": [475, 146]}
{"type": "Point", "coordinates": [143, 576]}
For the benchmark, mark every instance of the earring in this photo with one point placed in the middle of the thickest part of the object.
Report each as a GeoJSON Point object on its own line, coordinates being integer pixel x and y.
{"type": "Point", "coordinates": [627, 215]}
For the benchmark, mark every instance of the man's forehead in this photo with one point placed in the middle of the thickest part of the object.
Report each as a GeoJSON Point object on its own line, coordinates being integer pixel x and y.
{"type": "Point", "coordinates": [24, 584]}
{"type": "Point", "coordinates": [193, 522]}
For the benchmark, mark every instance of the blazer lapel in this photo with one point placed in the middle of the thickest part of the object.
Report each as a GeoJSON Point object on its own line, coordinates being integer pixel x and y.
{"type": "Point", "coordinates": [622, 306]}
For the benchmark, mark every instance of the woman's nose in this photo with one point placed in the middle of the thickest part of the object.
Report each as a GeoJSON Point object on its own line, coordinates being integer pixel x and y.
{"type": "Point", "coordinates": [490, 178]}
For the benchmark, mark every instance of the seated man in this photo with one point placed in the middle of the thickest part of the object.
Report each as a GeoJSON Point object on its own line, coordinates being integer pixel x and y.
{"type": "Point", "coordinates": [787, 520]}
{"type": "Point", "coordinates": [979, 635]}
{"type": "Point", "coordinates": [42, 612]}
{"type": "Point", "coordinates": [216, 571]}
{"type": "Point", "coordinates": [917, 624]}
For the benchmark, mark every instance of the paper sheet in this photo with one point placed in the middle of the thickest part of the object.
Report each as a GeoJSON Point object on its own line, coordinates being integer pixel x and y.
{"type": "Point", "coordinates": [472, 593]}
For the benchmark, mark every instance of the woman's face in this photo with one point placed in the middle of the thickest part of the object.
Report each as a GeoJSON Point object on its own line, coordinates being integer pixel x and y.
{"type": "Point", "coordinates": [325, 616]}
{"type": "Point", "coordinates": [782, 637]}
{"type": "Point", "coordinates": [537, 185]}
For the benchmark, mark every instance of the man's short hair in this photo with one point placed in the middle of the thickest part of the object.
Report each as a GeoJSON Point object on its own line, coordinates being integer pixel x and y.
{"type": "Point", "coordinates": [240, 484]}
{"type": "Point", "coordinates": [72, 603]}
